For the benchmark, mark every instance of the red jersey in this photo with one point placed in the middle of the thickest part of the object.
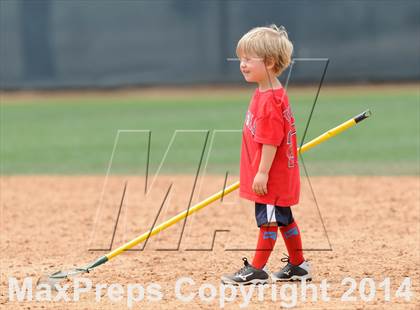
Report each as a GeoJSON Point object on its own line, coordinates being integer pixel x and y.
{"type": "Point", "coordinates": [269, 120]}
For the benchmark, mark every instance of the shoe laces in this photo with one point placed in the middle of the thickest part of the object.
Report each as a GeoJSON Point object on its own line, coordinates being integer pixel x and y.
{"type": "Point", "coordinates": [285, 259]}
{"type": "Point", "coordinates": [245, 267]}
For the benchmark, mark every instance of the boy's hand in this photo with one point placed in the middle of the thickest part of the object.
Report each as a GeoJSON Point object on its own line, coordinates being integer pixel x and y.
{"type": "Point", "coordinates": [260, 183]}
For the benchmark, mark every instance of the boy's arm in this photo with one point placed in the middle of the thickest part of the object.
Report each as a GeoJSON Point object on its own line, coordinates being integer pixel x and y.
{"type": "Point", "coordinates": [261, 178]}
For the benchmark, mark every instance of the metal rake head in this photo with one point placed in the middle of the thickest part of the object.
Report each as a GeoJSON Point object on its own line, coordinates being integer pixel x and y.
{"type": "Point", "coordinates": [53, 279]}
{"type": "Point", "coordinates": [63, 275]}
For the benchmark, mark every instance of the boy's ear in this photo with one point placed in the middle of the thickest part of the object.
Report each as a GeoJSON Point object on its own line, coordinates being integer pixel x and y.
{"type": "Point", "coordinates": [269, 63]}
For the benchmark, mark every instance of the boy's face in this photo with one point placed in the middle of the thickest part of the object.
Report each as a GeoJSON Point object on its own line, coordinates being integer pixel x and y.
{"type": "Point", "coordinates": [253, 68]}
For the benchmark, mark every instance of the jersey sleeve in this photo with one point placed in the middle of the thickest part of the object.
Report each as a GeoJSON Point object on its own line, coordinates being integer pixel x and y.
{"type": "Point", "coordinates": [269, 124]}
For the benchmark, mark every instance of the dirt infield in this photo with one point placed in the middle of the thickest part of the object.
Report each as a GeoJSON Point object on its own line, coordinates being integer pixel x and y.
{"type": "Point", "coordinates": [48, 223]}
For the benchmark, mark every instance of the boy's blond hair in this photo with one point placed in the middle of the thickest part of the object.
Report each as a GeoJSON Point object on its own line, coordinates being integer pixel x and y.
{"type": "Point", "coordinates": [270, 43]}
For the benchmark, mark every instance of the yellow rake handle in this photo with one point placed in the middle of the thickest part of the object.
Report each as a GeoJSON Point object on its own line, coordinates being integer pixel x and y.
{"type": "Point", "coordinates": [325, 136]}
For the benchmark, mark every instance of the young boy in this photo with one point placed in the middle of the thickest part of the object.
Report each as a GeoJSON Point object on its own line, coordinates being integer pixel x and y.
{"type": "Point", "coordinates": [269, 172]}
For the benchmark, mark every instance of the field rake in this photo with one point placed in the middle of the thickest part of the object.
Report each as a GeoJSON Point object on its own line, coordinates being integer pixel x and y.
{"type": "Point", "coordinates": [62, 275]}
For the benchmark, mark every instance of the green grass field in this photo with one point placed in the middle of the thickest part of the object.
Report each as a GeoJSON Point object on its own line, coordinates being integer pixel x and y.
{"type": "Point", "coordinates": [76, 135]}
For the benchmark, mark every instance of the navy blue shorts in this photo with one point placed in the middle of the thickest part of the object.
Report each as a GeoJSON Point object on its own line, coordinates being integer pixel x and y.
{"type": "Point", "coordinates": [265, 214]}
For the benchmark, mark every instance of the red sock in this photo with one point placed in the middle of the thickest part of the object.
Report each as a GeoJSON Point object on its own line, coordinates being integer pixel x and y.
{"type": "Point", "coordinates": [291, 237]}
{"type": "Point", "coordinates": [266, 241]}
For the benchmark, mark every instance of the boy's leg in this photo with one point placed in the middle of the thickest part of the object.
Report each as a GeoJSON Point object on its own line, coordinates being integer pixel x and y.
{"type": "Point", "coordinates": [266, 241]}
{"type": "Point", "coordinates": [254, 274]}
{"type": "Point", "coordinates": [293, 242]}
{"type": "Point", "coordinates": [297, 268]}
{"type": "Point", "coordinates": [265, 216]}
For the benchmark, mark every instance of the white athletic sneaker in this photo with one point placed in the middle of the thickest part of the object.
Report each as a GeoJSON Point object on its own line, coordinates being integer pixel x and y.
{"type": "Point", "coordinates": [293, 273]}
{"type": "Point", "coordinates": [248, 274]}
